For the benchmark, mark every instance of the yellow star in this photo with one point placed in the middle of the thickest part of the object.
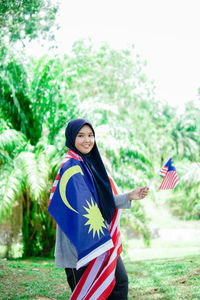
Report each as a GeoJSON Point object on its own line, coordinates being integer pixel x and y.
{"type": "Point", "coordinates": [95, 219]}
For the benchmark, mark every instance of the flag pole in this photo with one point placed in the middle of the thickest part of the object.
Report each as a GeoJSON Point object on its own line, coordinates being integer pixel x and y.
{"type": "Point", "coordinates": [153, 179]}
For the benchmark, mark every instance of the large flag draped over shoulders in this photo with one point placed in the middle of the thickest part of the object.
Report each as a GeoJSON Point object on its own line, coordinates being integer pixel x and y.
{"type": "Point", "coordinates": [170, 180]}
{"type": "Point", "coordinates": [75, 208]}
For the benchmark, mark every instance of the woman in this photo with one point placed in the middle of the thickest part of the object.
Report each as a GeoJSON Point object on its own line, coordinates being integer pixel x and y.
{"type": "Point", "coordinates": [80, 139]}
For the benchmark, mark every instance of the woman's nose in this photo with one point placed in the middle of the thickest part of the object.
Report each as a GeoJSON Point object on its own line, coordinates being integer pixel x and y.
{"type": "Point", "coordinates": [87, 138]}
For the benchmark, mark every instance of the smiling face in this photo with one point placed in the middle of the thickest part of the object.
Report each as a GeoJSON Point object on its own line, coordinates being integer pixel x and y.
{"type": "Point", "coordinates": [84, 141]}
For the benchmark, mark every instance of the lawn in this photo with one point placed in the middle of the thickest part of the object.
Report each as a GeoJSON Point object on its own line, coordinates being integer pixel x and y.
{"type": "Point", "coordinates": [150, 279]}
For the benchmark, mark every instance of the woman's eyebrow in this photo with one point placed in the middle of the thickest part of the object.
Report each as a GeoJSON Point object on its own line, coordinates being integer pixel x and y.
{"type": "Point", "coordinates": [89, 132]}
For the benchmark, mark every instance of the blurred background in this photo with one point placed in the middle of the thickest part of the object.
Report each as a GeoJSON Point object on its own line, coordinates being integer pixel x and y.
{"type": "Point", "coordinates": [132, 68]}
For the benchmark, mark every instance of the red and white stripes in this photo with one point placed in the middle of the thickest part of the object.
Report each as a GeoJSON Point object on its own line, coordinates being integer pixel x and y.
{"type": "Point", "coordinates": [170, 181]}
{"type": "Point", "coordinates": [163, 171]}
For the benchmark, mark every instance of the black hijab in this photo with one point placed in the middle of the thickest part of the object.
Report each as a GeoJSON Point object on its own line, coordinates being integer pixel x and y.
{"type": "Point", "coordinates": [95, 164]}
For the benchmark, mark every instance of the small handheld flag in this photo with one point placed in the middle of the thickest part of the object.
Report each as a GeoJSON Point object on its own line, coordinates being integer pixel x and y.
{"type": "Point", "coordinates": [170, 176]}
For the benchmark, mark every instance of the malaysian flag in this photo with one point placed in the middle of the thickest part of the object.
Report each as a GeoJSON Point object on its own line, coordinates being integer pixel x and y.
{"type": "Point", "coordinates": [75, 208]}
{"type": "Point", "coordinates": [170, 176]}
{"type": "Point", "coordinates": [98, 280]}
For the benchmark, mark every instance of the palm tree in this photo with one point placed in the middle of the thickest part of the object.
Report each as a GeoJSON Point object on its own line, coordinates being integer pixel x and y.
{"type": "Point", "coordinates": [26, 179]}
{"type": "Point", "coordinates": [186, 137]}
{"type": "Point", "coordinates": [16, 106]}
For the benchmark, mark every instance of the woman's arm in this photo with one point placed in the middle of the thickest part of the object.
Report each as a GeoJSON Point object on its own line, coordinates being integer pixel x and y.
{"type": "Point", "coordinates": [124, 200]}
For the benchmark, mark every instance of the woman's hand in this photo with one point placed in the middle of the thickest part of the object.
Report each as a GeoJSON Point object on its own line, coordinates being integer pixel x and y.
{"type": "Point", "coordinates": [138, 193]}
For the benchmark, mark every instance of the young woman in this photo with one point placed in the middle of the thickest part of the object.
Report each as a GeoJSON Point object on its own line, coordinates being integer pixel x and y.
{"type": "Point", "coordinates": [83, 152]}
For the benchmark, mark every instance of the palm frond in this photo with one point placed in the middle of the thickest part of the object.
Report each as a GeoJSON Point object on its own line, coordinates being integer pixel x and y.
{"type": "Point", "coordinates": [16, 106]}
{"type": "Point", "coordinates": [33, 174]}
{"type": "Point", "coordinates": [191, 173]}
{"type": "Point", "coordinates": [4, 157]}
{"type": "Point", "coordinates": [12, 142]}
{"type": "Point", "coordinates": [52, 155]}
{"type": "Point", "coordinates": [10, 190]}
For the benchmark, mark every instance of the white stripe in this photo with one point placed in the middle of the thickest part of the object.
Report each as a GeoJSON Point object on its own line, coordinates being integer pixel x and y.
{"type": "Point", "coordinates": [116, 223]}
{"type": "Point", "coordinates": [76, 155]}
{"type": "Point", "coordinates": [170, 181]}
{"type": "Point", "coordinates": [95, 253]}
{"type": "Point", "coordinates": [104, 286]}
{"type": "Point", "coordinates": [113, 256]}
{"type": "Point", "coordinates": [166, 183]}
{"type": "Point", "coordinates": [66, 158]}
{"type": "Point", "coordinates": [93, 272]}
{"type": "Point", "coordinates": [163, 171]}
{"type": "Point", "coordinates": [55, 182]}
{"type": "Point", "coordinates": [176, 183]}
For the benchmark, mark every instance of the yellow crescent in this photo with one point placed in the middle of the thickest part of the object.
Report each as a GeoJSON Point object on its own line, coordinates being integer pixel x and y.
{"type": "Point", "coordinates": [63, 183]}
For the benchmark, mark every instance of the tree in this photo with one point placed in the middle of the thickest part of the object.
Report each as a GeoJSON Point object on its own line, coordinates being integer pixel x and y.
{"type": "Point", "coordinates": [185, 134]}
{"type": "Point", "coordinates": [25, 19]}
{"type": "Point", "coordinates": [106, 86]}
{"type": "Point", "coordinates": [16, 106]}
{"type": "Point", "coordinates": [26, 177]}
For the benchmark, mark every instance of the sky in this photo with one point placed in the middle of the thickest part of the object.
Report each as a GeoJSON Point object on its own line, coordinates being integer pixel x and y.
{"type": "Point", "coordinates": [165, 33]}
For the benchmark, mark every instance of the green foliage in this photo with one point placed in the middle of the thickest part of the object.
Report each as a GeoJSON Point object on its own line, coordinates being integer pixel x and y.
{"type": "Point", "coordinates": [136, 222]}
{"type": "Point", "coordinates": [12, 142]}
{"type": "Point", "coordinates": [26, 19]}
{"type": "Point", "coordinates": [26, 179]}
{"type": "Point", "coordinates": [53, 103]}
{"type": "Point", "coordinates": [185, 136]}
{"type": "Point", "coordinates": [186, 199]}
{"type": "Point", "coordinates": [10, 190]}
{"type": "Point", "coordinates": [16, 106]}
{"type": "Point", "coordinates": [135, 133]}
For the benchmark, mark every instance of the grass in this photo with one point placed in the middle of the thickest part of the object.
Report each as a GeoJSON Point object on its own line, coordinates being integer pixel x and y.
{"type": "Point", "coordinates": [151, 279]}
{"type": "Point", "coordinates": [32, 279]}
{"type": "Point", "coordinates": [165, 279]}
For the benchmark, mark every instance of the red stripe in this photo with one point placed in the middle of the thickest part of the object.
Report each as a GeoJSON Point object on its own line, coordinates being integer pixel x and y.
{"type": "Point", "coordinates": [107, 291]}
{"type": "Point", "coordinates": [74, 155]}
{"type": "Point", "coordinates": [101, 279]}
{"type": "Point", "coordinates": [82, 281]}
{"type": "Point", "coordinates": [53, 189]}
{"type": "Point", "coordinates": [113, 221]}
{"type": "Point", "coordinates": [113, 186]}
{"type": "Point", "coordinates": [58, 176]}
{"type": "Point", "coordinates": [105, 274]}
{"type": "Point", "coordinates": [170, 180]}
